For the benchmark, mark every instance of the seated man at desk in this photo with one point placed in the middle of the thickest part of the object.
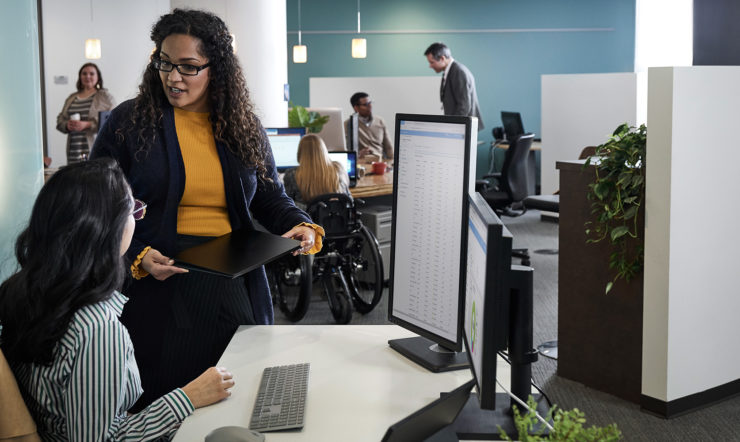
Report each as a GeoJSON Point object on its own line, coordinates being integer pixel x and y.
{"type": "Point", "coordinates": [373, 141]}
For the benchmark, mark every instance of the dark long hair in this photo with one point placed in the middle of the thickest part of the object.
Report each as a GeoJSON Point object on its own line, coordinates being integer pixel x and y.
{"type": "Point", "coordinates": [98, 85]}
{"type": "Point", "coordinates": [69, 256]}
{"type": "Point", "coordinates": [231, 114]}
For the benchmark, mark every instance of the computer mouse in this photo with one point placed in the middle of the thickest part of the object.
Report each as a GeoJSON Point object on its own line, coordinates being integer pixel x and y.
{"type": "Point", "coordinates": [234, 434]}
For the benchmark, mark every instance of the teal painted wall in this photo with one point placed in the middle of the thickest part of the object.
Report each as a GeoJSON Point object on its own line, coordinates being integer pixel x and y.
{"type": "Point", "coordinates": [507, 66]}
{"type": "Point", "coordinates": [21, 149]}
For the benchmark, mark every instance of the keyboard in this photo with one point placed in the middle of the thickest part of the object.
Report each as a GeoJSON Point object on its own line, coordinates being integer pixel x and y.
{"type": "Point", "coordinates": [281, 399]}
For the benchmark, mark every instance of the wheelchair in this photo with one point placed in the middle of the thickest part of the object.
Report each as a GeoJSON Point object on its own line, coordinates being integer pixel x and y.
{"type": "Point", "coordinates": [348, 271]}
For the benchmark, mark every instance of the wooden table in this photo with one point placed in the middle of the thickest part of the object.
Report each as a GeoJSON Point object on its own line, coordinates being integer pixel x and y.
{"type": "Point", "coordinates": [373, 185]}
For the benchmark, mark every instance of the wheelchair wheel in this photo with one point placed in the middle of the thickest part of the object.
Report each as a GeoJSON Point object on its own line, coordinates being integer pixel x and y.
{"type": "Point", "coordinates": [364, 272]}
{"type": "Point", "coordinates": [336, 293]}
{"type": "Point", "coordinates": [290, 280]}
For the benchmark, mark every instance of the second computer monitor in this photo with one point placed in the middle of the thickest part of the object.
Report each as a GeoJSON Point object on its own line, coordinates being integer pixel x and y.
{"type": "Point", "coordinates": [512, 122]}
{"type": "Point", "coordinates": [486, 318]}
{"type": "Point", "coordinates": [284, 142]}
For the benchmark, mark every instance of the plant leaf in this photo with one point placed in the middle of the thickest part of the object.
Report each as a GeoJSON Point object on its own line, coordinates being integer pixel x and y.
{"type": "Point", "coordinates": [618, 232]}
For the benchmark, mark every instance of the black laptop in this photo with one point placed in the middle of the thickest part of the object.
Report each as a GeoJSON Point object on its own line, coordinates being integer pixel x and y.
{"type": "Point", "coordinates": [236, 253]}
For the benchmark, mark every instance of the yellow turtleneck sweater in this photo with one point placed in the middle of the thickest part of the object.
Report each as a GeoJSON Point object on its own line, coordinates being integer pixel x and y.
{"type": "Point", "coordinates": [202, 209]}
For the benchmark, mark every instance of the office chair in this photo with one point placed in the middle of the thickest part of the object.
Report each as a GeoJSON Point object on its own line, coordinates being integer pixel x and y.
{"type": "Point", "coordinates": [506, 196]}
{"type": "Point", "coordinates": [511, 187]}
{"type": "Point", "coordinates": [348, 270]}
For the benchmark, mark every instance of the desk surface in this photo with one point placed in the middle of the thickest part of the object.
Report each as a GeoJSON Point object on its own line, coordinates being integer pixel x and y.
{"type": "Point", "coordinates": [373, 185]}
{"type": "Point", "coordinates": [358, 385]}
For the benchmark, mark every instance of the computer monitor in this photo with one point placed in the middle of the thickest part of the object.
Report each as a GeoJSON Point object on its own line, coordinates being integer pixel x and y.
{"type": "Point", "coordinates": [333, 131]}
{"type": "Point", "coordinates": [349, 161]}
{"type": "Point", "coordinates": [284, 142]}
{"type": "Point", "coordinates": [434, 157]}
{"type": "Point", "coordinates": [487, 295]}
{"type": "Point", "coordinates": [512, 122]}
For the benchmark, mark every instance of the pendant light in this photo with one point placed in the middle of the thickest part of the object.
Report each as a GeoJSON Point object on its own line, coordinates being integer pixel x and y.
{"type": "Point", "coordinates": [300, 53]}
{"type": "Point", "coordinates": [93, 49]}
{"type": "Point", "coordinates": [359, 45]}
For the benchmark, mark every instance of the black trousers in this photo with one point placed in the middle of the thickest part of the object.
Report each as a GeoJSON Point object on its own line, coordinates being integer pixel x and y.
{"type": "Point", "coordinates": [181, 326]}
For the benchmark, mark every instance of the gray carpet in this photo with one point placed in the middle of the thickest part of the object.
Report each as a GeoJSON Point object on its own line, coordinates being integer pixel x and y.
{"type": "Point", "coordinates": [718, 422]}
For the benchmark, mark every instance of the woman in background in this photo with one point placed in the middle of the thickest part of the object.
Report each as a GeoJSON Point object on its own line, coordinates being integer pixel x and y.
{"type": "Point", "coordinates": [316, 173]}
{"type": "Point", "coordinates": [79, 116]}
{"type": "Point", "coordinates": [192, 147]}
{"type": "Point", "coordinates": [59, 326]}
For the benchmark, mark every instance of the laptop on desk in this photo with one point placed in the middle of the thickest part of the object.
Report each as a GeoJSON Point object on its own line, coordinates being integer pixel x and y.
{"type": "Point", "coordinates": [236, 253]}
{"type": "Point", "coordinates": [349, 161]}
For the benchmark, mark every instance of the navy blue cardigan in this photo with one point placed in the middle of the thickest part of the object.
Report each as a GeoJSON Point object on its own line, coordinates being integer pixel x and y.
{"type": "Point", "coordinates": [158, 179]}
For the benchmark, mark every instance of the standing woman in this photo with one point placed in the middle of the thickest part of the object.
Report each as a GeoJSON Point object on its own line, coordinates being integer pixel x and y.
{"type": "Point", "coordinates": [316, 173]}
{"type": "Point", "coordinates": [79, 116]}
{"type": "Point", "coordinates": [193, 149]}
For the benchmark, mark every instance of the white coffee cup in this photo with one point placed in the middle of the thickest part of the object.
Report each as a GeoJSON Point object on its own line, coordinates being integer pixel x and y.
{"type": "Point", "coordinates": [75, 117]}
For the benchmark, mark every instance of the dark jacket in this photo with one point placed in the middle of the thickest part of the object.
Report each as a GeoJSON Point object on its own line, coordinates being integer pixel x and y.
{"type": "Point", "coordinates": [458, 95]}
{"type": "Point", "coordinates": [158, 179]}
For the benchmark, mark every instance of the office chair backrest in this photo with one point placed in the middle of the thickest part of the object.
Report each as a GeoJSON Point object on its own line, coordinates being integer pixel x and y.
{"type": "Point", "coordinates": [514, 172]}
{"type": "Point", "coordinates": [335, 212]}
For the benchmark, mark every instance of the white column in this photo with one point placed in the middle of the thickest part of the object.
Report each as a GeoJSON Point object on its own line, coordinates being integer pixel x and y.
{"type": "Point", "coordinates": [690, 325]}
{"type": "Point", "coordinates": [260, 29]}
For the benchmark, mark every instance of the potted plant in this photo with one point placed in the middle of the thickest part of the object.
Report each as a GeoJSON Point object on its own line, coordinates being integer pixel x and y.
{"type": "Point", "coordinates": [566, 426]}
{"type": "Point", "coordinates": [601, 238]}
{"type": "Point", "coordinates": [616, 196]}
{"type": "Point", "coordinates": [299, 116]}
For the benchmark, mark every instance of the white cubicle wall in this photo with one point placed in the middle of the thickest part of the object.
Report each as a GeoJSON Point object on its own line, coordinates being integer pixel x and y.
{"type": "Point", "coordinates": [691, 299]}
{"type": "Point", "coordinates": [580, 110]}
{"type": "Point", "coordinates": [390, 95]}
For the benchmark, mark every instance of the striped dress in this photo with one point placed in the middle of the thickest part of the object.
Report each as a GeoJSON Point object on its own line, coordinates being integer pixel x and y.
{"type": "Point", "coordinates": [78, 149]}
{"type": "Point", "coordinates": [86, 392]}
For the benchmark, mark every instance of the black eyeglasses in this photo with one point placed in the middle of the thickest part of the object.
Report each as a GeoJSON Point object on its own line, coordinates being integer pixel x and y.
{"type": "Point", "coordinates": [184, 69]}
{"type": "Point", "coordinates": [139, 210]}
{"type": "Point", "coordinates": [368, 103]}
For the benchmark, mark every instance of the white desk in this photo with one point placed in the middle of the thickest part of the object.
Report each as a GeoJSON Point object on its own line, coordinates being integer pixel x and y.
{"type": "Point", "coordinates": [357, 387]}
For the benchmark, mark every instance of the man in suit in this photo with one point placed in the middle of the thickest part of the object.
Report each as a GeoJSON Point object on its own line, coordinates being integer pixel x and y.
{"type": "Point", "coordinates": [457, 91]}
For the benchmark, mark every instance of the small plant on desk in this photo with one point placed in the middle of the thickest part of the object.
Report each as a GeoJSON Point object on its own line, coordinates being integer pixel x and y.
{"type": "Point", "coordinates": [299, 116]}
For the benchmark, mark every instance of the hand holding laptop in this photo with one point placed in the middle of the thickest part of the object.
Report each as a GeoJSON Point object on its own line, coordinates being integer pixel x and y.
{"type": "Point", "coordinates": [306, 235]}
{"type": "Point", "coordinates": [159, 266]}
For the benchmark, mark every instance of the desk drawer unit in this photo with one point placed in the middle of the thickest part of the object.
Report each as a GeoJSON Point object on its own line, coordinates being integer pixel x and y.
{"type": "Point", "coordinates": [379, 220]}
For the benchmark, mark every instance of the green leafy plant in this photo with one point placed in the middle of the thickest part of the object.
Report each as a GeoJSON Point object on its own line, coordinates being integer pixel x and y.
{"type": "Point", "coordinates": [616, 196]}
{"type": "Point", "coordinates": [567, 426]}
{"type": "Point", "coordinates": [299, 116]}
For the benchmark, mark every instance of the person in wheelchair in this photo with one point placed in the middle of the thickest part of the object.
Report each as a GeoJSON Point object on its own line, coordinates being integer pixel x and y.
{"type": "Point", "coordinates": [316, 173]}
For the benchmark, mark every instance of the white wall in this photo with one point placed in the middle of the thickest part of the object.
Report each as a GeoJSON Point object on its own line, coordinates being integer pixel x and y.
{"type": "Point", "coordinates": [580, 110]}
{"type": "Point", "coordinates": [690, 325]}
{"type": "Point", "coordinates": [260, 31]}
{"type": "Point", "coordinates": [390, 95]}
{"type": "Point", "coordinates": [123, 28]}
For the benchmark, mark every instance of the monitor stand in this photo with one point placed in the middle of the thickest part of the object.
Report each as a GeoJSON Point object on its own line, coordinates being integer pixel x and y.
{"type": "Point", "coordinates": [473, 423]}
{"type": "Point", "coordinates": [430, 355]}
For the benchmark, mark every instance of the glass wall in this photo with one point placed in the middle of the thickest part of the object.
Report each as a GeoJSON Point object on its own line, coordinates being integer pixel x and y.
{"type": "Point", "coordinates": [21, 146]}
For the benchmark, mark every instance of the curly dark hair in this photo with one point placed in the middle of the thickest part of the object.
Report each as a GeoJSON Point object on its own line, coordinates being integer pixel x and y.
{"type": "Point", "coordinates": [232, 112]}
{"type": "Point", "coordinates": [69, 257]}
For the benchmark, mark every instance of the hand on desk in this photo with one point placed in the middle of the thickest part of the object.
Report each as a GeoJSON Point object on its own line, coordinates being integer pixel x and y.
{"type": "Point", "coordinates": [159, 266]}
{"type": "Point", "coordinates": [212, 386]}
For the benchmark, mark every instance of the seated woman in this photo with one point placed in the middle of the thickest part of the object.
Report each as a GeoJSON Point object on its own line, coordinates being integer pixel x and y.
{"type": "Point", "coordinates": [316, 173]}
{"type": "Point", "coordinates": [59, 326]}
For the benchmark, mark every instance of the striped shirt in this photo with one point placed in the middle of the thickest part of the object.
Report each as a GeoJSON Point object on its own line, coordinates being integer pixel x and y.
{"type": "Point", "coordinates": [78, 148]}
{"type": "Point", "coordinates": [84, 394]}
